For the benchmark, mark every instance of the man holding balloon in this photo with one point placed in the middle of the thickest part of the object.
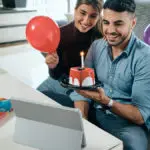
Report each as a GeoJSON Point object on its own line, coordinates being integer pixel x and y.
{"type": "Point", "coordinates": [63, 46]}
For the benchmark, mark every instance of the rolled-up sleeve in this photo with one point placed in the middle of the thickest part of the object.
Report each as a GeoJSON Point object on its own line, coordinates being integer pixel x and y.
{"type": "Point", "coordinates": [141, 89]}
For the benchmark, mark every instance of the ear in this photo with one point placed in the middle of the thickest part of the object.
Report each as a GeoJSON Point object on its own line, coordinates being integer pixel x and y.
{"type": "Point", "coordinates": [134, 22]}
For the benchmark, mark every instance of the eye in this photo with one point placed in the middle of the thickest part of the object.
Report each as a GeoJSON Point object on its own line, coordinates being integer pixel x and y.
{"type": "Point", "coordinates": [105, 22]}
{"type": "Point", "coordinates": [82, 13]}
{"type": "Point", "coordinates": [118, 24]}
{"type": "Point", "coordinates": [93, 16]}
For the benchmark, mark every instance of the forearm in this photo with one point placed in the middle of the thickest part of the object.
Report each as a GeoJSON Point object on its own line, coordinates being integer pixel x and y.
{"type": "Point", "coordinates": [56, 72]}
{"type": "Point", "coordinates": [83, 106]}
{"type": "Point", "coordinates": [128, 112]}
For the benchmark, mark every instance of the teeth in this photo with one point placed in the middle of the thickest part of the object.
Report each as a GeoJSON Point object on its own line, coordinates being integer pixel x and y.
{"type": "Point", "coordinates": [112, 36]}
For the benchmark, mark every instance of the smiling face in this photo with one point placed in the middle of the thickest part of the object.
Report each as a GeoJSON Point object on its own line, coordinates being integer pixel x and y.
{"type": "Point", "coordinates": [117, 27]}
{"type": "Point", "coordinates": [85, 17]}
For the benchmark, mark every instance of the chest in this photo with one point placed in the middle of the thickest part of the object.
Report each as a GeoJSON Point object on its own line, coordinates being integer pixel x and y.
{"type": "Point", "coordinates": [117, 74]}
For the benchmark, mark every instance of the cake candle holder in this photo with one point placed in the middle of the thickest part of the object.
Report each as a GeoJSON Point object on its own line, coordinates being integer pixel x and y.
{"type": "Point", "coordinates": [82, 59]}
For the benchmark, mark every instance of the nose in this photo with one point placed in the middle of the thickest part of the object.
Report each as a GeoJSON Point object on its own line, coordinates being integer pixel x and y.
{"type": "Point", "coordinates": [111, 29]}
{"type": "Point", "coordinates": [86, 20]}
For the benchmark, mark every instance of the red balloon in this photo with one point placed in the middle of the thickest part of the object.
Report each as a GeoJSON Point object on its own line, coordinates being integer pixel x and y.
{"type": "Point", "coordinates": [43, 34]}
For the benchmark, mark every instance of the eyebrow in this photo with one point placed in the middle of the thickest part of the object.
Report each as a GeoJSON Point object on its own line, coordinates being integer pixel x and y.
{"type": "Point", "coordinates": [118, 21]}
{"type": "Point", "coordinates": [82, 10]}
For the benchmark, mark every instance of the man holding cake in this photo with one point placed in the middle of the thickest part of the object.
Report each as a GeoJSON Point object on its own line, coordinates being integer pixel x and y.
{"type": "Point", "coordinates": [122, 63]}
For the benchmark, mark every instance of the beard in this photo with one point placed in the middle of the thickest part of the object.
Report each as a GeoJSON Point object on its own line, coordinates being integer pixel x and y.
{"type": "Point", "coordinates": [118, 41]}
{"type": "Point", "coordinates": [114, 43]}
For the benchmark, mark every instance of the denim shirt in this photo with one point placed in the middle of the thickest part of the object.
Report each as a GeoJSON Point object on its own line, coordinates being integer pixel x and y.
{"type": "Point", "coordinates": [126, 79]}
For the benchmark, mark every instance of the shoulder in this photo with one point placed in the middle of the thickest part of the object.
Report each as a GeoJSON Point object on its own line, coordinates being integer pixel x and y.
{"type": "Point", "coordinates": [97, 49]}
{"type": "Point", "coordinates": [99, 45]}
{"type": "Point", "coordinates": [141, 56]}
{"type": "Point", "coordinates": [142, 49]}
{"type": "Point", "coordinates": [65, 34]}
{"type": "Point", "coordinates": [66, 28]}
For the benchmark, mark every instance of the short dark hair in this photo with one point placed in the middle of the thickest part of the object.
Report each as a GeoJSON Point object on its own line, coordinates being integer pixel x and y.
{"type": "Point", "coordinates": [120, 5]}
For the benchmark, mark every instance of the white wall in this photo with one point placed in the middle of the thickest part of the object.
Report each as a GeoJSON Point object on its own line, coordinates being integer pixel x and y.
{"type": "Point", "coordinates": [56, 9]}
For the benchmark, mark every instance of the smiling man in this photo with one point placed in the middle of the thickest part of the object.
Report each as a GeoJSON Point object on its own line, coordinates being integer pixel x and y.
{"type": "Point", "coordinates": [122, 64]}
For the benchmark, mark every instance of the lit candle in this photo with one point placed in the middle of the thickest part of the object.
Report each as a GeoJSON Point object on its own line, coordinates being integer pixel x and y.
{"type": "Point", "coordinates": [82, 59]}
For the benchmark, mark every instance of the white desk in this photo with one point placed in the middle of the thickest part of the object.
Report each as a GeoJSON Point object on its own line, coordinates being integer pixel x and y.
{"type": "Point", "coordinates": [96, 138]}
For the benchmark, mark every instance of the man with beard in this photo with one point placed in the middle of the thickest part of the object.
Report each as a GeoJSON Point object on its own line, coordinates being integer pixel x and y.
{"type": "Point", "coordinates": [122, 63]}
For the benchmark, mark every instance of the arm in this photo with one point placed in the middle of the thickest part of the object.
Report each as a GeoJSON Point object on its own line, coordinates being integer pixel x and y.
{"type": "Point", "coordinates": [56, 72]}
{"type": "Point", "coordinates": [126, 111]}
{"type": "Point", "coordinates": [54, 62]}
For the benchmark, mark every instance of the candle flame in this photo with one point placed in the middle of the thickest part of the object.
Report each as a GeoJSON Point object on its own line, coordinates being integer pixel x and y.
{"type": "Point", "coordinates": [82, 53]}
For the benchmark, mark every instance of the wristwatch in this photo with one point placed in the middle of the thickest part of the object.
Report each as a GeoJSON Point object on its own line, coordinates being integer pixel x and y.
{"type": "Point", "coordinates": [110, 104]}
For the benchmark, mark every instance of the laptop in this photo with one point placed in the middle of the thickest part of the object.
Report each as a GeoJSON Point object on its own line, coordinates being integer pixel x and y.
{"type": "Point", "coordinates": [47, 127]}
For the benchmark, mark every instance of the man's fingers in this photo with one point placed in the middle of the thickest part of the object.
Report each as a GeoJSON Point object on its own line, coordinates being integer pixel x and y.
{"type": "Point", "coordinates": [99, 89]}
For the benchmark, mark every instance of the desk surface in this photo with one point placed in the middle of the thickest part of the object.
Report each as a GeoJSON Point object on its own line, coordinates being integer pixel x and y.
{"type": "Point", "coordinates": [11, 86]}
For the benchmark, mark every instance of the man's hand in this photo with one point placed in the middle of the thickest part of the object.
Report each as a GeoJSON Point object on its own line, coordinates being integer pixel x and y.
{"type": "Point", "coordinates": [98, 95]}
{"type": "Point", "coordinates": [52, 60]}
{"type": "Point", "coordinates": [83, 106]}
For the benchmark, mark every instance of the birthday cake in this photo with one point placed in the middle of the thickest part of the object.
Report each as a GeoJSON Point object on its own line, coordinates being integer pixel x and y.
{"type": "Point", "coordinates": [81, 77]}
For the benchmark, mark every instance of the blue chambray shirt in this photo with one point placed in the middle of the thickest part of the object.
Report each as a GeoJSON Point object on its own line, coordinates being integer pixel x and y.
{"type": "Point", "coordinates": [126, 79]}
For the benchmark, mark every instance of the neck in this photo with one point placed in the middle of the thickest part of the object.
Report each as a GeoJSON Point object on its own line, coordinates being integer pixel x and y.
{"type": "Point", "coordinates": [117, 50]}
